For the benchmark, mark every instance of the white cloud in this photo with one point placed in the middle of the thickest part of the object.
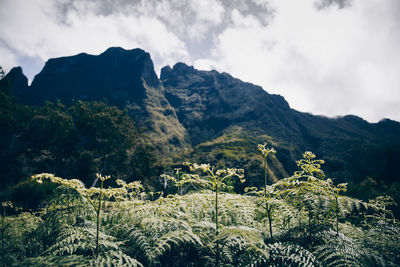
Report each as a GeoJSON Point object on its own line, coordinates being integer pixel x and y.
{"type": "Point", "coordinates": [7, 59]}
{"type": "Point", "coordinates": [209, 13]}
{"type": "Point", "coordinates": [332, 61]}
{"type": "Point", "coordinates": [192, 20]}
{"type": "Point", "coordinates": [35, 29]}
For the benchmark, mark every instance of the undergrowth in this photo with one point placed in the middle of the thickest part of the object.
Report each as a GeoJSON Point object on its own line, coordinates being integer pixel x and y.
{"type": "Point", "coordinates": [302, 220]}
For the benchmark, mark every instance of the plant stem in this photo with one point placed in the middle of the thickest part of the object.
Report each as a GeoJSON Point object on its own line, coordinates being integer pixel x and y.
{"type": "Point", "coordinates": [337, 215]}
{"type": "Point", "coordinates": [98, 218]}
{"type": "Point", "coordinates": [266, 202]}
{"type": "Point", "coordinates": [179, 186]}
{"type": "Point", "coordinates": [216, 222]}
{"type": "Point", "coordinates": [2, 237]}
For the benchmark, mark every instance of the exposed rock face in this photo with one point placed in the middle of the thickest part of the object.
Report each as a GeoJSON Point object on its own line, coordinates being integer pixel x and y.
{"type": "Point", "coordinates": [210, 111]}
{"type": "Point", "coordinates": [207, 102]}
{"type": "Point", "coordinates": [117, 75]}
{"type": "Point", "coordinates": [124, 78]}
{"type": "Point", "coordinates": [210, 104]}
{"type": "Point", "coordinates": [16, 80]}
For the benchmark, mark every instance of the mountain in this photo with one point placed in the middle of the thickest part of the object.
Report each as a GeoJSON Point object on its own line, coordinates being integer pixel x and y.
{"type": "Point", "coordinates": [124, 78]}
{"type": "Point", "coordinates": [18, 81]}
{"type": "Point", "coordinates": [207, 116]}
{"type": "Point", "coordinates": [224, 116]}
{"type": "Point", "coordinates": [206, 102]}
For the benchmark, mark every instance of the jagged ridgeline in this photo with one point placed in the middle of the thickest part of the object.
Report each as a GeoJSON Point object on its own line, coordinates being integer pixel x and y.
{"type": "Point", "coordinates": [207, 116]}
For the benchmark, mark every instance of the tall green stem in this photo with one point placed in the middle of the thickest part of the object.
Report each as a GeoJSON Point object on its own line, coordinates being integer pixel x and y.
{"type": "Point", "coordinates": [337, 215]}
{"type": "Point", "coordinates": [98, 218]}
{"type": "Point", "coordinates": [179, 185]}
{"type": "Point", "coordinates": [268, 212]}
{"type": "Point", "coordinates": [216, 223]}
{"type": "Point", "coordinates": [2, 236]}
{"type": "Point", "coordinates": [215, 180]}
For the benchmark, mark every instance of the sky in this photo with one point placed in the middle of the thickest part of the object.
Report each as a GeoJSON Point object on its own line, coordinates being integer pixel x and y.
{"type": "Point", "coordinates": [326, 57]}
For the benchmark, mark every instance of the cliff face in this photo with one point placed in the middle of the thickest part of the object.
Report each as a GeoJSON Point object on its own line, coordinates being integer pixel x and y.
{"type": "Point", "coordinates": [207, 102]}
{"type": "Point", "coordinates": [215, 108]}
{"type": "Point", "coordinates": [16, 79]}
{"type": "Point", "coordinates": [118, 75]}
{"type": "Point", "coordinates": [215, 117]}
{"type": "Point", "coordinates": [124, 78]}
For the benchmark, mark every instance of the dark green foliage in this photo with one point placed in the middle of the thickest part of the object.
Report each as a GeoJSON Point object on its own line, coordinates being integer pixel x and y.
{"type": "Point", "coordinates": [286, 254]}
{"type": "Point", "coordinates": [109, 259]}
{"type": "Point", "coordinates": [18, 237]}
{"type": "Point", "coordinates": [29, 195]}
{"type": "Point", "coordinates": [179, 231]}
{"type": "Point", "coordinates": [78, 141]}
{"type": "Point", "coordinates": [339, 250]}
{"type": "Point", "coordinates": [106, 133]}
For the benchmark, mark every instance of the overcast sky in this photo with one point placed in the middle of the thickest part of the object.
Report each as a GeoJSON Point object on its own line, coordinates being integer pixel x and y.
{"type": "Point", "coordinates": [329, 57]}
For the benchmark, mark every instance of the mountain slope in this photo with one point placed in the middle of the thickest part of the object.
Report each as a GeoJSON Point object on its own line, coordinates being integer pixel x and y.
{"type": "Point", "coordinates": [207, 116]}
{"type": "Point", "coordinates": [211, 104]}
{"type": "Point", "coordinates": [124, 78]}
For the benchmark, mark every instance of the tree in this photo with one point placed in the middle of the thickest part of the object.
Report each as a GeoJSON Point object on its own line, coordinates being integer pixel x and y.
{"type": "Point", "coordinates": [13, 119]}
{"type": "Point", "coordinates": [75, 142]}
{"type": "Point", "coordinates": [107, 138]}
{"type": "Point", "coordinates": [2, 73]}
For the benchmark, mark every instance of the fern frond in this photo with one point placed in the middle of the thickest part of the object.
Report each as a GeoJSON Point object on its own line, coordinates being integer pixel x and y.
{"type": "Point", "coordinates": [240, 244]}
{"type": "Point", "coordinates": [137, 245]}
{"type": "Point", "coordinates": [80, 241]}
{"type": "Point", "coordinates": [176, 240]}
{"type": "Point", "coordinates": [111, 259]}
{"type": "Point", "coordinates": [19, 239]}
{"type": "Point", "coordinates": [115, 258]}
{"type": "Point", "coordinates": [339, 250]}
{"type": "Point", "coordinates": [384, 238]}
{"type": "Point", "coordinates": [71, 260]}
{"type": "Point", "coordinates": [349, 205]}
{"type": "Point", "coordinates": [286, 254]}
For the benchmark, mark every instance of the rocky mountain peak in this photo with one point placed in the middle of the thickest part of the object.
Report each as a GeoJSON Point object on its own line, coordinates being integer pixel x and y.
{"type": "Point", "coordinates": [16, 75]}
{"type": "Point", "coordinates": [117, 74]}
{"type": "Point", "coordinates": [17, 80]}
{"type": "Point", "coordinates": [179, 70]}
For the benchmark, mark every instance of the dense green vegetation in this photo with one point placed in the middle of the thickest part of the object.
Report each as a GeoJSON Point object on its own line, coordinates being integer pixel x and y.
{"type": "Point", "coordinates": [77, 141]}
{"type": "Point", "coordinates": [313, 223]}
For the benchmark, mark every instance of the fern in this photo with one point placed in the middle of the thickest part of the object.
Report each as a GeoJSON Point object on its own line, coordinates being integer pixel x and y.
{"type": "Point", "coordinates": [384, 238]}
{"type": "Point", "coordinates": [19, 237]}
{"type": "Point", "coordinates": [286, 254]}
{"type": "Point", "coordinates": [110, 259]}
{"type": "Point", "coordinates": [152, 240]}
{"type": "Point", "coordinates": [241, 245]}
{"type": "Point", "coordinates": [186, 243]}
{"type": "Point", "coordinates": [79, 240]}
{"type": "Point", "coordinates": [350, 205]}
{"type": "Point", "coordinates": [313, 225]}
{"type": "Point", "coordinates": [115, 258]}
{"type": "Point", "coordinates": [339, 250]}
{"type": "Point", "coordinates": [71, 260]}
